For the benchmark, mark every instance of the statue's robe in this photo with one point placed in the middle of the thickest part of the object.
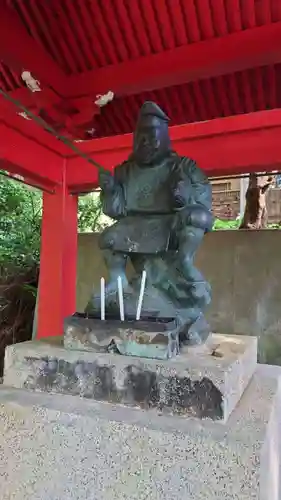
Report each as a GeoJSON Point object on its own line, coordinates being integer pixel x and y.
{"type": "Point", "coordinates": [152, 204]}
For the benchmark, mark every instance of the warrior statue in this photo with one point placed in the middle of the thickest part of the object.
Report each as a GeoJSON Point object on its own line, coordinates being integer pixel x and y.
{"type": "Point", "coordinates": [161, 203]}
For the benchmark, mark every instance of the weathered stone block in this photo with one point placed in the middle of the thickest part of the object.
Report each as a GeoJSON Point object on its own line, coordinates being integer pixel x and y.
{"type": "Point", "coordinates": [152, 338]}
{"type": "Point", "coordinates": [61, 447]}
{"type": "Point", "coordinates": [202, 384]}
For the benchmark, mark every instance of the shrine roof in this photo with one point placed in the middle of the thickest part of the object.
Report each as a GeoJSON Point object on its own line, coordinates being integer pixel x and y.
{"type": "Point", "coordinates": [198, 59]}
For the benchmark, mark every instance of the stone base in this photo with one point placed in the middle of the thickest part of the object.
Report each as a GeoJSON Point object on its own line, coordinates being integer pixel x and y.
{"type": "Point", "coordinates": [204, 383]}
{"type": "Point", "coordinates": [61, 447]}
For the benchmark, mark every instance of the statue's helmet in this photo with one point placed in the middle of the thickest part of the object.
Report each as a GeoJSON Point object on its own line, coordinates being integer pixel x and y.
{"type": "Point", "coordinates": [151, 109]}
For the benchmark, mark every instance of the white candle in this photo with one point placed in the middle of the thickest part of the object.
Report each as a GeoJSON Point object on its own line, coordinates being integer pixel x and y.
{"type": "Point", "coordinates": [140, 301]}
{"type": "Point", "coordinates": [102, 299]}
{"type": "Point", "coordinates": [120, 296]}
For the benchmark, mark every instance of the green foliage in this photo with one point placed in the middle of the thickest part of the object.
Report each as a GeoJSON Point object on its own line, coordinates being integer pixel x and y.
{"type": "Point", "coordinates": [223, 224]}
{"type": "Point", "coordinates": [90, 216]}
{"type": "Point", "coordinates": [20, 223]}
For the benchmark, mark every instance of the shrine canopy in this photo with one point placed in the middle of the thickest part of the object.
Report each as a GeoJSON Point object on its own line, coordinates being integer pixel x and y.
{"type": "Point", "coordinates": [85, 68]}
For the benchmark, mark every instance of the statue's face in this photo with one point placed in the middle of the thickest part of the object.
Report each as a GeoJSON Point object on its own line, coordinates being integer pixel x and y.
{"type": "Point", "coordinates": [151, 141]}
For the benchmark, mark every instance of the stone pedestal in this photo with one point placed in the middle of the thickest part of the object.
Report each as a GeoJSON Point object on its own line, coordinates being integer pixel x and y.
{"type": "Point", "coordinates": [63, 447]}
{"type": "Point", "coordinates": [87, 426]}
{"type": "Point", "coordinates": [208, 383]}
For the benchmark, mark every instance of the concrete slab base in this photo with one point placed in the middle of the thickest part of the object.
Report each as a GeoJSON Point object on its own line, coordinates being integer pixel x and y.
{"type": "Point", "coordinates": [204, 383]}
{"type": "Point", "coordinates": [55, 447]}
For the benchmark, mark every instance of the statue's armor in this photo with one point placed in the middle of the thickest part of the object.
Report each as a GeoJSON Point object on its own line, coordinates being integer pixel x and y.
{"type": "Point", "coordinates": [148, 192]}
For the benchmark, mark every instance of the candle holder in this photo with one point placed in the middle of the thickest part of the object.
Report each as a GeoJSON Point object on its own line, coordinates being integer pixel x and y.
{"type": "Point", "coordinates": [149, 337]}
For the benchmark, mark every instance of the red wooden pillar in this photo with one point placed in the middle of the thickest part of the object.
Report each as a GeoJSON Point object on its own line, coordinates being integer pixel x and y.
{"type": "Point", "coordinates": [57, 281]}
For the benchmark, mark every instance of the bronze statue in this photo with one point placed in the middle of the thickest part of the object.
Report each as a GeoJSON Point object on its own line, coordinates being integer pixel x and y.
{"type": "Point", "coordinates": [161, 203]}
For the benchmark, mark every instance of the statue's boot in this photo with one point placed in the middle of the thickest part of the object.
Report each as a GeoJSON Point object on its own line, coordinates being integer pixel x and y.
{"type": "Point", "coordinates": [189, 242]}
{"type": "Point", "coordinates": [200, 292]}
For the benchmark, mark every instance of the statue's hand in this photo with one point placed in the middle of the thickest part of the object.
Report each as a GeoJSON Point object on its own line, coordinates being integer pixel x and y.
{"type": "Point", "coordinates": [106, 180]}
{"type": "Point", "coordinates": [199, 217]}
{"type": "Point", "coordinates": [179, 198]}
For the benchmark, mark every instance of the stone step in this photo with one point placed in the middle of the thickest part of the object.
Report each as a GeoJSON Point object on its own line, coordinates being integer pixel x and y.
{"type": "Point", "coordinates": [198, 383]}
{"type": "Point", "coordinates": [63, 447]}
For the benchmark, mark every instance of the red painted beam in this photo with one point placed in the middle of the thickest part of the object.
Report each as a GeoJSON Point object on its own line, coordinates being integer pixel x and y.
{"type": "Point", "coordinates": [218, 56]}
{"type": "Point", "coordinates": [27, 158]}
{"type": "Point", "coordinates": [21, 52]}
{"type": "Point", "coordinates": [225, 146]}
{"type": "Point", "coordinates": [31, 130]}
{"type": "Point", "coordinates": [56, 108]}
{"type": "Point", "coordinates": [37, 182]}
{"type": "Point", "coordinates": [47, 99]}
{"type": "Point", "coordinates": [22, 95]}
{"type": "Point", "coordinates": [57, 281]}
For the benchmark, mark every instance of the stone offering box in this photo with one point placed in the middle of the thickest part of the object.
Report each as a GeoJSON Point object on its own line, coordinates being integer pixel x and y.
{"type": "Point", "coordinates": [150, 337]}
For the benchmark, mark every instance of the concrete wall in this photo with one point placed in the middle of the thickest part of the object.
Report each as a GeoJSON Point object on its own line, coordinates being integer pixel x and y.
{"type": "Point", "coordinates": [244, 270]}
